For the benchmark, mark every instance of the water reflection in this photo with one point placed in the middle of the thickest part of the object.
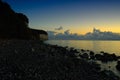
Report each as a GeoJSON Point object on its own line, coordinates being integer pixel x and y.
{"type": "Point", "coordinates": [97, 46]}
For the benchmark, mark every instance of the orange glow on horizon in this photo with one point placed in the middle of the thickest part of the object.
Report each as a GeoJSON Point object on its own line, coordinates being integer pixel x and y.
{"type": "Point", "coordinates": [82, 31]}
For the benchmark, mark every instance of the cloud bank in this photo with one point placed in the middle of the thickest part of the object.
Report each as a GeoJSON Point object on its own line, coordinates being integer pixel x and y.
{"type": "Point", "coordinates": [95, 35]}
{"type": "Point", "coordinates": [60, 28]}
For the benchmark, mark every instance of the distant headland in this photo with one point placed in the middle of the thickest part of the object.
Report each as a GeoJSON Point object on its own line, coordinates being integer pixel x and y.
{"type": "Point", "coordinates": [14, 25]}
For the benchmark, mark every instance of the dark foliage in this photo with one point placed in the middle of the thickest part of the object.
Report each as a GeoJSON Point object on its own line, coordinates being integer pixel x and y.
{"type": "Point", "coordinates": [14, 25]}
{"type": "Point", "coordinates": [23, 17]}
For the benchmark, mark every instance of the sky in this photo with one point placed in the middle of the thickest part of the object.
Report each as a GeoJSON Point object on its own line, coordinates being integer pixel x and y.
{"type": "Point", "coordinates": [78, 16]}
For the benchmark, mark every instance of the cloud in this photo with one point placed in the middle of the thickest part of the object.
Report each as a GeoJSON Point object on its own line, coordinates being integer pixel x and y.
{"type": "Point", "coordinates": [95, 35]}
{"type": "Point", "coordinates": [51, 34]}
{"type": "Point", "coordinates": [67, 32]}
{"type": "Point", "coordinates": [63, 36]}
{"type": "Point", "coordinates": [99, 35]}
{"type": "Point", "coordinates": [60, 28]}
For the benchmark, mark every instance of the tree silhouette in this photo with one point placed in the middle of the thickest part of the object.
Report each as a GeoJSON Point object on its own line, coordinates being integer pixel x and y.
{"type": "Point", "coordinates": [15, 25]}
{"type": "Point", "coordinates": [23, 17]}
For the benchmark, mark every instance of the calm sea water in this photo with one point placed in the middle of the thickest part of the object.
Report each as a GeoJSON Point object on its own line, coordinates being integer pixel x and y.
{"type": "Point", "coordinates": [95, 45]}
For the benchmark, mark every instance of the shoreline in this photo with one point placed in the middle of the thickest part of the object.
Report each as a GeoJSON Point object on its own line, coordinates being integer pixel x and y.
{"type": "Point", "coordinates": [96, 46]}
{"type": "Point", "coordinates": [30, 59]}
{"type": "Point", "coordinates": [109, 64]}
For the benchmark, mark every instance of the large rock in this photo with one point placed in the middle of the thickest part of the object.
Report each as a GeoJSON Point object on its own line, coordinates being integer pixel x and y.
{"type": "Point", "coordinates": [118, 66]}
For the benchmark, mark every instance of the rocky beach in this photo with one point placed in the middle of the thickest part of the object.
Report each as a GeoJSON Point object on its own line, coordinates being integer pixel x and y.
{"type": "Point", "coordinates": [34, 60]}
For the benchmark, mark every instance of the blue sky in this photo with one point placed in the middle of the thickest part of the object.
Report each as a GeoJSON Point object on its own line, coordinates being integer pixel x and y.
{"type": "Point", "coordinates": [79, 16]}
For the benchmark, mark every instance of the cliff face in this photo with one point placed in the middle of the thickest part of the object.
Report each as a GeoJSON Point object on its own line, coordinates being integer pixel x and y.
{"type": "Point", "coordinates": [39, 34]}
{"type": "Point", "coordinates": [13, 25]}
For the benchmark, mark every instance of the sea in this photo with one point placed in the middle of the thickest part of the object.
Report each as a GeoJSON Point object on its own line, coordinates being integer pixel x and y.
{"type": "Point", "coordinates": [94, 45]}
{"type": "Point", "coordinates": [109, 46]}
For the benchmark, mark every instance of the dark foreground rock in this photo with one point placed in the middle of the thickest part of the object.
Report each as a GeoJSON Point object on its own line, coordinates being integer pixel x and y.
{"type": "Point", "coordinates": [118, 65]}
{"type": "Point", "coordinates": [33, 60]}
{"type": "Point", "coordinates": [102, 56]}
